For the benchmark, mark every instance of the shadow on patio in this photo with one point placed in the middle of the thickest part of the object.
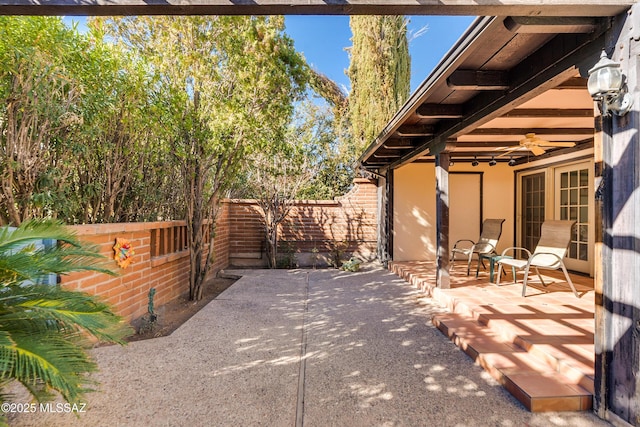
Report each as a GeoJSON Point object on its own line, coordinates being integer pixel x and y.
{"type": "Point", "coordinates": [540, 347]}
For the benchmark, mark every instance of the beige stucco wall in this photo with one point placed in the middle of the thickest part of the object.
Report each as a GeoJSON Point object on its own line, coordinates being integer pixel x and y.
{"type": "Point", "coordinates": [414, 210]}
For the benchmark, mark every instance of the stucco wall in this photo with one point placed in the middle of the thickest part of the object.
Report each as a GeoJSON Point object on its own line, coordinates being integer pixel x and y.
{"type": "Point", "coordinates": [414, 210]}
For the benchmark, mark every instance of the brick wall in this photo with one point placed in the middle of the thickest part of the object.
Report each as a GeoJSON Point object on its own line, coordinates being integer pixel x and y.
{"type": "Point", "coordinates": [319, 224]}
{"type": "Point", "coordinates": [161, 261]}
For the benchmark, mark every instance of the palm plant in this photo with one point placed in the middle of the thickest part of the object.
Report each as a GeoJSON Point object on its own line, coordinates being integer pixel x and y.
{"type": "Point", "coordinates": [45, 331]}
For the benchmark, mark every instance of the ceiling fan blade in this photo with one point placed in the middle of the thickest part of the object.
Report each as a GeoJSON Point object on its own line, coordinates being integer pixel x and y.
{"type": "Point", "coordinates": [555, 144]}
{"type": "Point", "coordinates": [506, 153]}
{"type": "Point", "coordinates": [536, 150]}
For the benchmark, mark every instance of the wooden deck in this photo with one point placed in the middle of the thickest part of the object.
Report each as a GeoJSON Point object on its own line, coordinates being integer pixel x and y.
{"type": "Point", "coordinates": [539, 347]}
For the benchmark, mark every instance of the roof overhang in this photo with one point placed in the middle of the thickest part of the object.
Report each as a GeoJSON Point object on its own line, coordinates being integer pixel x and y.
{"type": "Point", "coordinates": [505, 77]}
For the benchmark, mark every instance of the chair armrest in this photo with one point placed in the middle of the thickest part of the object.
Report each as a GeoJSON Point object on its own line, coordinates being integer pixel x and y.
{"type": "Point", "coordinates": [514, 249]}
{"type": "Point", "coordinates": [556, 263]}
{"type": "Point", "coordinates": [455, 245]}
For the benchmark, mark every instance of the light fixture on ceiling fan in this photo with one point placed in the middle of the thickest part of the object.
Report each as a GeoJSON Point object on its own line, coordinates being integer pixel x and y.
{"type": "Point", "coordinates": [536, 145]}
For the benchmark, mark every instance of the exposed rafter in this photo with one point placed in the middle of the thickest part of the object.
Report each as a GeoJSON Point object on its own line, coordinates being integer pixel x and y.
{"type": "Point", "coordinates": [403, 144]}
{"type": "Point", "coordinates": [550, 24]}
{"type": "Point", "coordinates": [478, 80]}
{"type": "Point", "coordinates": [542, 70]}
{"type": "Point", "coordinates": [409, 130]}
{"type": "Point", "coordinates": [440, 111]}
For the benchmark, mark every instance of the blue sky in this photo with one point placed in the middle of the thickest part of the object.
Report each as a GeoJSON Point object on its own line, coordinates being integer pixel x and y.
{"type": "Point", "coordinates": [323, 39]}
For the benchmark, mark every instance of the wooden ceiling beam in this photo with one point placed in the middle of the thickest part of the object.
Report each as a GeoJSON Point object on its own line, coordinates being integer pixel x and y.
{"type": "Point", "coordinates": [478, 80]}
{"type": "Point", "coordinates": [549, 112]}
{"type": "Point", "coordinates": [573, 84]}
{"type": "Point", "coordinates": [544, 69]}
{"type": "Point", "coordinates": [537, 131]}
{"type": "Point", "coordinates": [550, 24]}
{"type": "Point", "coordinates": [440, 111]}
{"type": "Point", "coordinates": [484, 144]}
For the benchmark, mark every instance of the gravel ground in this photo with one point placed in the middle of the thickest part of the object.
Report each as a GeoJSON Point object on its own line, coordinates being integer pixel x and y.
{"type": "Point", "coordinates": [303, 347]}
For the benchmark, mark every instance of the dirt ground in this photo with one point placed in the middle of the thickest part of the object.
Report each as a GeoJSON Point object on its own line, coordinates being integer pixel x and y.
{"type": "Point", "coordinates": [175, 313]}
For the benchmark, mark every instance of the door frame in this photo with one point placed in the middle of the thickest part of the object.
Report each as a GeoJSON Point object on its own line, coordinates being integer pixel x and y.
{"type": "Point", "coordinates": [552, 209]}
{"type": "Point", "coordinates": [588, 265]}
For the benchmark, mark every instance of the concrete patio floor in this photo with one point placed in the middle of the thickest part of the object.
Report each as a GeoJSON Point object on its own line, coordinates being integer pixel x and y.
{"type": "Point", "coordinates": [304, 347]}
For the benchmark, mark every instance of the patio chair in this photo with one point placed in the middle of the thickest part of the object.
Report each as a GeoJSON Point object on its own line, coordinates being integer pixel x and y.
{"type": "Point", "coordinates": [486, 244]}
{"type": "Point", "coordinates": [555, 237]}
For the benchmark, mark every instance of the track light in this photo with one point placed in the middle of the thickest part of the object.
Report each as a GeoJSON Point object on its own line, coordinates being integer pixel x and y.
{"type": "Point", "coordinates": [492, 162]}
{"type": "Point", "coordinates": [512, 162]}
{"type": "Point", "coordinates": [475, 162]}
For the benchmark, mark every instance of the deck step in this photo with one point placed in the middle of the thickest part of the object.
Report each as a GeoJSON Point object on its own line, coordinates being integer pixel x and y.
{"type": "Point", "coordinates": [526, 371]}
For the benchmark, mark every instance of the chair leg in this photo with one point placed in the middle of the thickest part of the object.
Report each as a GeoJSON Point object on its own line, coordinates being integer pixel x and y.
{"type": "Point", "coordinates": [469, 263]}
{"type": "Point", "coordinates": [453, 260]}
{"type": "Point", "coordinates": [540, 276]}
{"type": "Point", "coordinates": [524, 281]}
{"type": "Point", "coordinates": [566, 275]}
{"type": "Point", "coordinates": [499, 274]}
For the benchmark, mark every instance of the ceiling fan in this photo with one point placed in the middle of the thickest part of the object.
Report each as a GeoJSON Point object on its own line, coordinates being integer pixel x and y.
{"type": "Point", "coordinates": [536, 145]}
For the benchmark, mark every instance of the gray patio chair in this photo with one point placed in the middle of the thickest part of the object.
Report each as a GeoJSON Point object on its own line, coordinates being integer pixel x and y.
{"type": "Point", "coordinates": [555, 237]}
{"type": "Point", "coordinates": [486, 244]}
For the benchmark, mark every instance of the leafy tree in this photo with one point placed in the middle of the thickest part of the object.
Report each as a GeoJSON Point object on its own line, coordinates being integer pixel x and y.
{"type": "Point", "coordinates": [325, 151]}
{"type": "Point", "coordinates": [229, 83]}
{"type": "Point", "coordinates": [379, 72]}
{"type": "Point", "coordinates": [45, 330]}
{"type": "Point", "coordinates": [120, 157]}
{"type": "Point", "coordinates": [277, 174]}
{"type": "Point", "coordinates": [38, 98]}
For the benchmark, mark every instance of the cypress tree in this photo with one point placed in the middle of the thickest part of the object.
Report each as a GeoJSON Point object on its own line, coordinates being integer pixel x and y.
{"type": "Point", "coordinates": [379, 72]}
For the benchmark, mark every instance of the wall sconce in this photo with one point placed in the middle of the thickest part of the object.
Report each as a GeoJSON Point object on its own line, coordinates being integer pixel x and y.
{"type": "Point", "coordinates": [475, 162]}
{"type": "Point", "coordinates": [492, 162]}
{"type": "Point", "coordinates": [606, 85]}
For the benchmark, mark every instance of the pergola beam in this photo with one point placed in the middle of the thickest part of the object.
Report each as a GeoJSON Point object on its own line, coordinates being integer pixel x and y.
{"type": "Point", "coordinates": [314, 7]}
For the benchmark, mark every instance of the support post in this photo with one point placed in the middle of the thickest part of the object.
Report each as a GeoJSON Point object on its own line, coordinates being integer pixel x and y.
{"type": "Point", "coordinates": [442, 220]}
{"type": "Point", "coordinates": [385, 217]}
{"type": "Point", "coordinates": [617, 385]}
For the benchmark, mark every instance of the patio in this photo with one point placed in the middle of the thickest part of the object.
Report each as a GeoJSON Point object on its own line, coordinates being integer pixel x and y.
{"type": "Point", "coordinates": [302, 347]}
{"type": "Point", "coordinates": [540, 348]}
